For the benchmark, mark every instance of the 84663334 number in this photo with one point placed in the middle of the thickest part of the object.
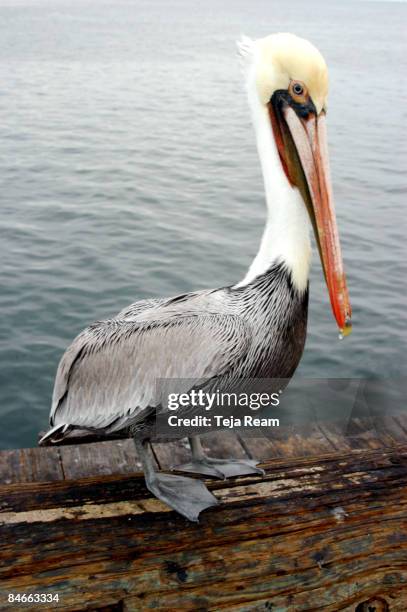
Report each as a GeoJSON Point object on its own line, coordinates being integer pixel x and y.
{"type": "Point", "coordinates": [33, 598]}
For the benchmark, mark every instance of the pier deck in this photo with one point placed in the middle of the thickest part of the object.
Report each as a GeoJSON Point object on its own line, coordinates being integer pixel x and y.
{"type": "Point", "coordinates": [325, 529]}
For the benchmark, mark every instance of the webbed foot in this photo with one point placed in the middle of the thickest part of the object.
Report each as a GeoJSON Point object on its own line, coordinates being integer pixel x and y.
{"type": "Point", "coordinates": [220, 468]}
{"type": "Point", "coordinates": [185, 495]}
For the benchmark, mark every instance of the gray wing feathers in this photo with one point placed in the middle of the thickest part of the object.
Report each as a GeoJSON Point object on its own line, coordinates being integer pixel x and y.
{"type": "Point", "coordinates": [107, 377]}
{"type": "Point", "coordinates": [134, 310]}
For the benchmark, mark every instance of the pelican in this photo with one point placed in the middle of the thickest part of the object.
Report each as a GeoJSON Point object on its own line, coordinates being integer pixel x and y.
{"type": "Point", "coordinates": [256, 328]}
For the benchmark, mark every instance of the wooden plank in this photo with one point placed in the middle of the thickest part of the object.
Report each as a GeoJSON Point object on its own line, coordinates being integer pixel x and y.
{"type": "Point", "coordinates": [119, 456]}
{"type": "Point", "coordinates": [111, 457]}
{"type": "Point", "coordinates": [336, 435]}
{"type": "Point", "coordinates": [392, 427]}
{"type": "Point", "coordinates": [30, 465]}
{"type": "Point", "coordinates": [220, 444]}
{"type": "Point", "coordinates": [174, 453]}
{"type": "Point", "coordinates": [224, 445]}
{"type": "Point", "coordinates": [363, 433]}
{"type": "Point", "coordinates": [298, 440]}
{"type": "Point", "coordinates": [304, 440]}
{"type": "Point", "coordinates": [259, 447]}
{"type": "Point", "coordinates": [313, 534]}
{"type": "Point", "coordinates": [401, 420]}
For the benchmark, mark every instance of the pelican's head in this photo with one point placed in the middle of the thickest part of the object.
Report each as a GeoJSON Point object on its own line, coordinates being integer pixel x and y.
{"type": "Point", "coordinates": [288, 82]}
{"type": "Point", "coordinates": [289, 63]}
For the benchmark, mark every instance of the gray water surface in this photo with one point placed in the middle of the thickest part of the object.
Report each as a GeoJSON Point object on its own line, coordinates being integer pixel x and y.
{"type": "Point", "coordinates": [128, 169]}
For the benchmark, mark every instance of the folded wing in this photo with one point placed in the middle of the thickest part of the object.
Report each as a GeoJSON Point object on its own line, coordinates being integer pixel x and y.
{"type": "Point", "coordinates": [107, 379]}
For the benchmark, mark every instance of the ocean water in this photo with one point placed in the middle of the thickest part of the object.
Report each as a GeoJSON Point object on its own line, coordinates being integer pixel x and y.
{"type": "Point", "coordinates": [128, 169]}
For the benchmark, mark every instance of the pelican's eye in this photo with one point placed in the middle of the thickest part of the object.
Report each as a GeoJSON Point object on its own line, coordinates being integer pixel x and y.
{"type": "Point", "coordinates": [298, 91]}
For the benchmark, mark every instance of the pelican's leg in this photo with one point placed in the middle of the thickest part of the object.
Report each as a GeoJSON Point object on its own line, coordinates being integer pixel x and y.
{"type": "Point", "coordinates": [187, 496]}
{"type": "Point", "coordinates": [219, 468]}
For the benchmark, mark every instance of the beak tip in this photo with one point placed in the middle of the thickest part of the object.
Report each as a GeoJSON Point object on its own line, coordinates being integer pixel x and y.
{"type": "Point", "coordinates": [347, 329]}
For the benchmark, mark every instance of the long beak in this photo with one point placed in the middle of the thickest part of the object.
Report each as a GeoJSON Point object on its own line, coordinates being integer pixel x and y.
{"type": "Point", "coordinates": [309, 138]}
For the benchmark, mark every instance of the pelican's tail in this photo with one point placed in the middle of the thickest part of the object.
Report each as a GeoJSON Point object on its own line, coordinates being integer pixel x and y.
{"type": "Point", "coordinates": [55, 434]}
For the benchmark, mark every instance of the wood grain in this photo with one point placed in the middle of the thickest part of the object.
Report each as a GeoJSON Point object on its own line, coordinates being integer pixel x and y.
{"type": "Point", "coordinates": [327, 533]}
{"type": "Point", "coordinates": [325, 529]}
{"type": "Point", "coordinates": [30, 465]}
{"type": "Point", "coordinates": [118, 457]}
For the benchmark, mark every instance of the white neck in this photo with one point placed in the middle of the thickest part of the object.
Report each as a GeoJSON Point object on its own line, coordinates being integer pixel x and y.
{"type": "Point", "coordinates": [286, 237]}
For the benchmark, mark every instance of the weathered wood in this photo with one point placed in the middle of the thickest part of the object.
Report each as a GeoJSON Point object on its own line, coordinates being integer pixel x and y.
{"type": "Point", "coordinates": [68, 462]}
{"type": "Point", "coordinates": [316, 533]}
{"type": "Point", "coordinates": [118, 457]}
{"type": "Point", "coordinates": [168, 455]}
{"type": "Point", "coordinates": [401, 419]}
{"type": "Point", "coordinates": [391, 427]}
{"type": "Point", "coordinates": [30, 465]}
{"type": "Point", "coordinates": [218, 444]}
{"type": "Point", "coordinates": [296, 441]}
{"type": "Point", "coordinates": [304, 441]}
